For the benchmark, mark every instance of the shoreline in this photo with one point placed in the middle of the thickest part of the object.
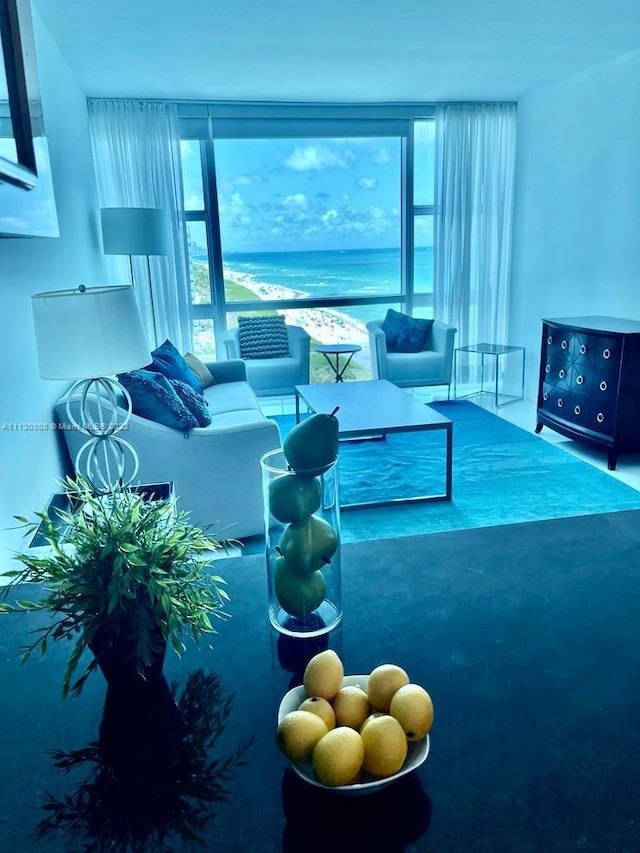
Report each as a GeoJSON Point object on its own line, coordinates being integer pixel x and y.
{"type": "Point", "coordinates": [326, 325]}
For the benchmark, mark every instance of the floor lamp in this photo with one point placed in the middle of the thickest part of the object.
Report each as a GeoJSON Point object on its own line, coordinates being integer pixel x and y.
{"type": "Point", "coordinates": [136, 231]}
{"type": "Point", "coordinates": [89, 334]}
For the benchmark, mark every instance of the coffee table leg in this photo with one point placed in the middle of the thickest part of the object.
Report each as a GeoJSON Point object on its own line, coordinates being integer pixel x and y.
{"type": "Point", "coordinates": [449, 463]}
{"type": "Point", "coordinates": [297, 407]}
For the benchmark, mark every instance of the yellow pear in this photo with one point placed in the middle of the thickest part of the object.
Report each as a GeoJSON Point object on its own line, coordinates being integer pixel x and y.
{"type": "Point", "coordinates": [337, 757]}
{"type": "Point", "coordinates": [298, 733]}
{"type": "Point", "coordinates": [413, 709]}
{"type": "Point", "coordinates": [385, 746]}
{"type": "Point", "coordinates": [351, 706]}
{"type": "Point", "coordinates": [383, 682]}
{"type": "Point", "coordinates": [319, 706]}
{"type": "Point", "coordinates": [323, 675]}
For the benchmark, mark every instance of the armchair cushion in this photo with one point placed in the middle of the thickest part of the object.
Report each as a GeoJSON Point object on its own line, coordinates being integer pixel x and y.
{"type": "Point", "coordinates": [154, 398]}
{"type": "Point", "coordinates": [194, 402]}
{"type": "Point", "coordinates": [263, 337]}
{"type": "Point", "coordinates": [168, 361]}
{"type": "Point", "coordinates": [404, 333]}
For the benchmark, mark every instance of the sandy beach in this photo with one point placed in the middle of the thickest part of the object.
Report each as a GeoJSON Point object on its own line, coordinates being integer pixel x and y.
{"type": "Point", "coordinates": [324, 324]}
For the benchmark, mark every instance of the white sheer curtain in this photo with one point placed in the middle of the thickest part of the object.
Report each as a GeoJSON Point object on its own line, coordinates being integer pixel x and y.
{"type": "Point", "coordinates": [136, 152]}
{"type": "Point", "coordinates": [475, 161]}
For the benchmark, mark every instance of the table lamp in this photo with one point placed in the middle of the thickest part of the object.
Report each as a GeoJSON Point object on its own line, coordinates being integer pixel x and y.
{"type": "Point", "coordinates": [136, 231]}
{"type": "Point", "coordinates": [89, 334]}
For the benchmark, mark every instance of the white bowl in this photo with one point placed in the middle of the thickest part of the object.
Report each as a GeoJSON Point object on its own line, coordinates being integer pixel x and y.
{"type": "Point", "coordinates": [416, 753]}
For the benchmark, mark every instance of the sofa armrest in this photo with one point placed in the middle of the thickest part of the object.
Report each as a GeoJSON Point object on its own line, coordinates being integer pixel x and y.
{"type": "Point", "coordinates": [377, 350]}
{"type": "Point", "coordinates": [231, 343]}
{"type": "Point", "coordinates": [228, 371]}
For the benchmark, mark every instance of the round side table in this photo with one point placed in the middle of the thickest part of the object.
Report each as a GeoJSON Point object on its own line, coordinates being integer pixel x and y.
{"type": "Point", "coordinates": [329, 350]}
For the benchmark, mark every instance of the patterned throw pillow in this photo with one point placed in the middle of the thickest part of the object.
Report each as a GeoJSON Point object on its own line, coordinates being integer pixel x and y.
{"type": "Point", "coordinates": [263, 337]}
{"type": "Point", "coordinates": [404, 333]}
{"type": "Point", "coordinates": [196, 403]}
{"type": "Point", "coordinates": [152, 397]}
{"type": "Point", "coordinates": [168, 361]}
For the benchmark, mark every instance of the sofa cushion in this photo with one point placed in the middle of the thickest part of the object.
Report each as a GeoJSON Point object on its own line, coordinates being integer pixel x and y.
{"type": "Point", "coordinates": [404, 333]}
{"type": "Point", "coordinates": [200, 369]}
{"type": "Point", "coordinates": [263, 337]}
{"type": "Point", "coordinates": [168, 361]}
{"type": "Point", "coordinates": [231, 397]}
{"type": "Point", "coordinates": [153, 397]}
{"type": "Point", "coordinates": [194, 402]}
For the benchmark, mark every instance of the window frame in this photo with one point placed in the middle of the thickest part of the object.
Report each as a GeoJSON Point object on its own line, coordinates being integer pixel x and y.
{"type": "Point", "coordinates": [207, 122]}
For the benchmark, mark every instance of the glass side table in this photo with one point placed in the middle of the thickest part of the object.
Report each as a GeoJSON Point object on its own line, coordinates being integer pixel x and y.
{"type": "Point", "coordinates": [495, 352]}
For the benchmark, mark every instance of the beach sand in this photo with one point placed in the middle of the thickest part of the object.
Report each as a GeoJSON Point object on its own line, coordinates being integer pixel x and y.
{"type": "Point", "coordinates": [324, 324]}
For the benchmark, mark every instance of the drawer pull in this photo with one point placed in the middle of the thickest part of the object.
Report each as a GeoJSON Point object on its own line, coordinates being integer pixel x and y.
{"type": "Point", "coordinates": [545, 396]}
{"type": "Point", "coordinates": [606, 353]}
{"type": "Point", "coordinates": [560, 402]}
{"type": "Point", "coordinates": [583, 349]}
{"type": "Point", "coordinates": [577, 410]}
{"type": "Point", "coordinates": [549, 340]}
{"type": "Point", "coordinates": [564, 344]}
{"type": "Point", "coordinates": [580, 379]}
{"type": "Point", "coordinates": [603, 385]}
{"type": "Point", "coordinates": [600, 417]}
{"type": "Point", "coordinates": [547, 368]}
{"type": "Point", "coordinates": [562, 374]}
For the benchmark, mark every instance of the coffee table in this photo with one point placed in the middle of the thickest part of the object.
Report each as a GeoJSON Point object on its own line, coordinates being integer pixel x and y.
{"type": "Point", "coordinates": [378, 408]}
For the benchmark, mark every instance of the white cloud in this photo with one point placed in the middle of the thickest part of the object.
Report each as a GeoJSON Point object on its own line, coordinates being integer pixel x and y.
{"type": "Point", "coordinates": [297, 201]}
{"type": "Point", "coordinates": [244, 180]}
{"type": "Point", "coordinates": [366, 183]}
{"type": "Point", "coordinates": [315, 158]}
{"type": "Point", "coordinates": [381, 157]}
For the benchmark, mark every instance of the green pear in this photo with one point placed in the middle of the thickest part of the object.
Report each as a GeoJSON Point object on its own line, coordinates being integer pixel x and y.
{"type": "Point", "coordinates": [298, 595]}
{"type": "Point", "coordinates": [308, 545]}
{"type": "Point", "coordinates": [311, 447]}
{"type": "Point", "coordinates": [293, 497]}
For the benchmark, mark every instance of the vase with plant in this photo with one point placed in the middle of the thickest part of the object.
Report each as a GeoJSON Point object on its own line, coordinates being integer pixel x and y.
{"type": "Point", "coordinates": [123, 577]}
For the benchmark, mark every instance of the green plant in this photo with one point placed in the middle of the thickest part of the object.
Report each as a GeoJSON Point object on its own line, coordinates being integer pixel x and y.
{"type": "Point", "coordinates": [122, 565]}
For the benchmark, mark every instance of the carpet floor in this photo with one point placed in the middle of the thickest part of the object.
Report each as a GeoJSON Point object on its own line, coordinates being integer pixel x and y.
{"type": "Point", "coordinates": [501, 475]}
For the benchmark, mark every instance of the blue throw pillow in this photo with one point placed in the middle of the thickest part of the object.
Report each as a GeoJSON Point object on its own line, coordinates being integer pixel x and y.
{"type": "Point", "coordinates": [152, 397]}
{"type": "Point", "coordinates": [168, 361]}
{"type": "Point", "coordinates": [404, 333]}
{"type": "Point", "coordinates": [263, 337]}
{"type": "Point", "coordinates": [196, 403]}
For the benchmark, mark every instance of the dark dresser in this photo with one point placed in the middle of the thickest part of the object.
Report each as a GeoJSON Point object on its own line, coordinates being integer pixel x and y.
{"type": "Point", "coordinates": [589, 387]}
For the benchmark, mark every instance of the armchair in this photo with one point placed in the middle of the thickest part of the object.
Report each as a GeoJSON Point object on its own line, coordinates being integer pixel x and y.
{"type": "Point", "coordinates": [431, 366]}
{"type": "Point", "coordinates": [273, 377]}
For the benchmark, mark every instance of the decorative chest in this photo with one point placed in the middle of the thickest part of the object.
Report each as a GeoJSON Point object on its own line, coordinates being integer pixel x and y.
{"type": "Point", "coordinates": [589, 387]}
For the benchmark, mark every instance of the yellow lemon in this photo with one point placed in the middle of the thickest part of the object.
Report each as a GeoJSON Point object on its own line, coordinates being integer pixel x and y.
{"type": "Point", "coordinates": [319, 706]}
{"type": "Point", "coordinates": [337, 757]}
{"type": "Point", "coordinates": [385, 746]}
{"type": "Point", "coordinates": [323, 675]}
{"type": "Point", "coordinates": [383, 682]}
{"type": "Point", "coordinates": [413, 709]}
{"type": "Point", "coordinates": [298, 733]}
{"type": "Point", "coordinates": [351, 706]}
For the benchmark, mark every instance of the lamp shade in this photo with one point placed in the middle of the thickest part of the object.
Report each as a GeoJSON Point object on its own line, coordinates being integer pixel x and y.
{"type": "Point", "coordinates": [88, 332]}
{"type": "Point", "coordinates": [134, 231]}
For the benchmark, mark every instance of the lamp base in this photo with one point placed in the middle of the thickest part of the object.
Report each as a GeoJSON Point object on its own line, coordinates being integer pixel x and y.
{"type": "Point", "coordinates": [103, 460]}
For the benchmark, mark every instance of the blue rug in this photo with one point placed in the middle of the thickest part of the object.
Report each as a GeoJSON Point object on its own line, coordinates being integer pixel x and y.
{"type": "Point", "coordinates": [501, 475]}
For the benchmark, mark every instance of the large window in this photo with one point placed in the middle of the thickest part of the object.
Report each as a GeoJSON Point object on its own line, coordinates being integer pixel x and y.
{"type": "Point", "coordinates": [329, 228]}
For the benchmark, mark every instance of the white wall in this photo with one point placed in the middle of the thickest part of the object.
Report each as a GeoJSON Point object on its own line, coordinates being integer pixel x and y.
{"type": "Point", "coordinates": [30, 462]}
{"type": "Point", "coordinates": [576, 247]}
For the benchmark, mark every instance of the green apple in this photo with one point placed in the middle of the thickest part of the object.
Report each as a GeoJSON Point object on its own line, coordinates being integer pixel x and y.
{"type": "Point", "coordinates": [298, 595]}
{"type": "Point", "coordinates": [312, 445]}
{"type": "Point", "coordinates": [308, 545]}
{"type": "Point", "coordinates": [293, 497]}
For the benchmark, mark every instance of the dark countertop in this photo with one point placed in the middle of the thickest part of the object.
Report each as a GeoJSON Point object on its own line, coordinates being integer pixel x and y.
{"type": "Point", "coordinates": [525, 636]}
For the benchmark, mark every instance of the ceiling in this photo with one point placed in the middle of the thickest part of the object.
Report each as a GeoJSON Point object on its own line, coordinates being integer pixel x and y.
{"type": "Point", "coordinates": [343, 51]}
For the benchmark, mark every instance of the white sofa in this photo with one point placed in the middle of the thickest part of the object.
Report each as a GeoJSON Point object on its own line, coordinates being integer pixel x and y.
{"type": "Point", "coordinates": [215, 469]}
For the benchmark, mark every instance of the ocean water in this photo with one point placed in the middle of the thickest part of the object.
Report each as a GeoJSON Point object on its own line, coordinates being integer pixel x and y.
{"type": "Point", "coordinates": [323, 274]}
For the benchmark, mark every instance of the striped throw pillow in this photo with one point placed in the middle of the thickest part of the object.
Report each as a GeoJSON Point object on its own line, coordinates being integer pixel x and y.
{"type": "Point", "coordinates": [263, 337]}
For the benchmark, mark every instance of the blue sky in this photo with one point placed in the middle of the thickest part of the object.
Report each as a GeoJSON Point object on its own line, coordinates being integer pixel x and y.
{"type": "Point", "coordinates": [298, 195]}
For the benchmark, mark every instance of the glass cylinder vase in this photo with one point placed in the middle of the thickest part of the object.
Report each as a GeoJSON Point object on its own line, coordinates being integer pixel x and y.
{"type": "Point", "coordinates": [302, 545]}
